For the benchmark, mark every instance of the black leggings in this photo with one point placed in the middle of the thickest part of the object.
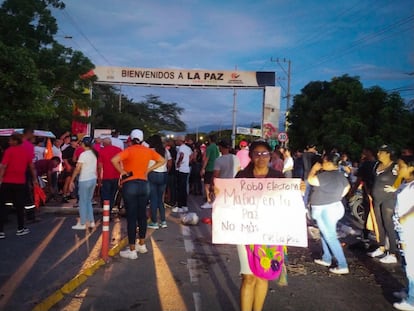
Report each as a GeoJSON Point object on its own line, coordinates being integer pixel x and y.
{"type": "Point", "coordinates": [16, 194]}
{"type": "Point", "coordinates": [384, 211]}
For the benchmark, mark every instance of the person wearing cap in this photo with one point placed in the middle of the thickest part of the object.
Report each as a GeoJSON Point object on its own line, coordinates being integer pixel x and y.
{"type": "Point", "coordinates": [243, 154]}
{"type": "Point", "coordinates": [86, 168]}
{"type": "Point", "coordinates": [386, 171]}
{"type": "Point", "coordinates": [133, 164]}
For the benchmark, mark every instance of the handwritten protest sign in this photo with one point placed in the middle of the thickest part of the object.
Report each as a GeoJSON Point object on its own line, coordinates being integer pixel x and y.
{"type": "Point", "coordinates": [259, 211]}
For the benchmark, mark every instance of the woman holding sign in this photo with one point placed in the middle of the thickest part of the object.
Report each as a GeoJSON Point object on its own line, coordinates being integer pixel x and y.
{"type": "Point", "coordinates": [329, 187]}
{"type": "Point", "coordinates": [254, 284]}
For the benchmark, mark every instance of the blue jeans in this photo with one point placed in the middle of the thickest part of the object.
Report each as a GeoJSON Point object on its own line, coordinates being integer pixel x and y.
{"type": "Point", "coordinates": [85, 192]}
{"type": "Point", "coordinates": [327, 217]}
{"type": "Point", "coordinates": [135, 194]}
{"type": "Point", "coordinates": [108, 190]}
{"type": "Point", "coordinates": [158, 183]}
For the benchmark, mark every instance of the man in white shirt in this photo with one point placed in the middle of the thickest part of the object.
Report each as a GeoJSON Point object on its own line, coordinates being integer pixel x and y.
{"type": "Point", "coordinates": [182, 165]}
{"type": "Point", "coordinates": [115, 140]}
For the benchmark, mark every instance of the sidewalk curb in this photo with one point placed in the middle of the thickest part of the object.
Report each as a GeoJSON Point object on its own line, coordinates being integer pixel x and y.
{"type": "Point", "coordinates": [78, 280]}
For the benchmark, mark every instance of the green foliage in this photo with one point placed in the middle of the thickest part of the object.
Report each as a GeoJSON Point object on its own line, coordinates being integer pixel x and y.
{"type": "Point", "coordinates": [151, 115]}
{"type": "Point", "coordinates": [39, 77]}
{"type": "Point", "coordinates": [342, 114]}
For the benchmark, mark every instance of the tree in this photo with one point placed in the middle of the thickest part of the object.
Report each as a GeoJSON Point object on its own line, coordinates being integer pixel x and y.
{"type": "Point", "coordinates": [39, 77]}
{"type": "Point", "coordinates": [342, 114]}
{"type": "Point", "coordinates": [151, 115]}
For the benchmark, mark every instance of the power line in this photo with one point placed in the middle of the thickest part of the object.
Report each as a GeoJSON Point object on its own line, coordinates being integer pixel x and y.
{"type": "Point", "coordinates": [73, 22]}
{"type": "Point", "coordinates": [324, 29]}
{"type": "Point", "coordinates": [365, 40]}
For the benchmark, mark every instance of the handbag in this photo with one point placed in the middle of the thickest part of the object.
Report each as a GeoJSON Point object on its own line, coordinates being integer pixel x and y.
{"type": "Point", "coordinates": [265, 261]}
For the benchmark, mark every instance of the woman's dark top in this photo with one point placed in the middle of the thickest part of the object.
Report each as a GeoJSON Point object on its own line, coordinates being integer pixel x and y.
{"type": "Point", "coordinates": [382, 179]}
{"type": "Point", "coordinates": [331, 187]}
{"type": "Point", "coordinates": [248, 173]}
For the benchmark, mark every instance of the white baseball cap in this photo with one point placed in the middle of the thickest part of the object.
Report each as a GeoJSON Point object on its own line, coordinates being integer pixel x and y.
{"type": "Point", "coordinates": [137, 134]}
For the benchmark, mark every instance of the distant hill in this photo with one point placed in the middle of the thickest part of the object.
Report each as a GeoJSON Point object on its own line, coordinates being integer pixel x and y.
{"type": "Point", "coordinates": [210, 127]}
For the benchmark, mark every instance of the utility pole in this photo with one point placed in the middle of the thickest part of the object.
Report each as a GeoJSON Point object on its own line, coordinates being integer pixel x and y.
{"type": "Point", "coordinates": [233, 133]}
{"type": "Point", "coordinates": [287, 73]}
{"type": "Point", "coordinates": [120, 98]}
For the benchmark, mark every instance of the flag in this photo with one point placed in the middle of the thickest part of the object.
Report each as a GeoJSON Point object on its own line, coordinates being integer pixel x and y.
{"type": "Point", "coordinates": [48, 151]}
{"type": "Point", "coordinates": [87, 75]}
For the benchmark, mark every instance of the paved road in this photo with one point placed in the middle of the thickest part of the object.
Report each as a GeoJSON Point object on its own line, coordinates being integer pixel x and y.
{"type": "Point", "coordinates": [182, 271]}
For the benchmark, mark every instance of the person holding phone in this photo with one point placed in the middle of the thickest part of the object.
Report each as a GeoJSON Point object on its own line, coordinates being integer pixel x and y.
{"type": "Point", "coordinates": [133, 163]}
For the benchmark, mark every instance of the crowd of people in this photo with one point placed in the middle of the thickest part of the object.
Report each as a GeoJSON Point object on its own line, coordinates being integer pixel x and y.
{"type": "Point", "coordinates": [158, 173]}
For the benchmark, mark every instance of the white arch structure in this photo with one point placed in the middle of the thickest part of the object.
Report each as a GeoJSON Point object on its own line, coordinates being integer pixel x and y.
{"type": "Point", "coordinates": [199, 78]}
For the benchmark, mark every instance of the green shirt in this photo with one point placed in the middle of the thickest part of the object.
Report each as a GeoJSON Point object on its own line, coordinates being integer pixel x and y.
{"type": "Point", "coordinates": [212, 153]}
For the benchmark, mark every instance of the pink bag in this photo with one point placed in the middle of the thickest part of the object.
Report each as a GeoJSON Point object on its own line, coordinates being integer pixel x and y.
{"type": "Point", "coordinates": [265, 261]}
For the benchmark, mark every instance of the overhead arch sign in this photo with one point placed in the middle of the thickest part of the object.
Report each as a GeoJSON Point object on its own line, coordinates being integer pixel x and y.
{"type": "Point", "coordinates": [184, 77]}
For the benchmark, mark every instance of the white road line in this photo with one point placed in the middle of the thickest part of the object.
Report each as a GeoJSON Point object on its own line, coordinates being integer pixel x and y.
{"type": "Point", "coordinates": [191, 265]}
{"type": "Point", "coordinates": [197, 301]}
{"type": "Point", "coordinates": [189, 246]}
{"type": "Point", "coordinates": [192, 269]}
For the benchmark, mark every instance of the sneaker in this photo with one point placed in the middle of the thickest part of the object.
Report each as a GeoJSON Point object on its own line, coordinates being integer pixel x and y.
{"type": "Point", "coordinates": [337, 270]}
{"type": "Point", "coordinates": [377, 253]}
{"type": "Point", "coordinates": [141, 248]}
{"type": "Point", "coordinates": [30, 206]}
{"type": "Point", "coordinates": [402, 294]}
{"type": "Point", "coordinates": [390, 258]}
{"type": "Point", "coordinates": [78, 226]}
{"type": "Point", "coordinates": [322, 263]}
{"type": "Point", "coordinates": [164, 224]}
{"type": "Point", "coordinates": [206, 205]}
{"type": "Point", "coordinates": [184, 208]}
{"type": "Point", "coordinates": [92, 224]}
{"type": "Point", "coordinates": [403, 305]}
{"type": "Point", "coordinates": [2, 235]}
{"type": "Point", "coordinates": [23, 231]}
{"type": "Point", "coordinates": [153, 225]}
{"type": "Point", "coordinates": [128, 254]}
{"type": "Point", "coordinates": [177, 210]}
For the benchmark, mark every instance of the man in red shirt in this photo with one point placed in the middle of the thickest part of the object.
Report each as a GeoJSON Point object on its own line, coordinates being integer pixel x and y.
{"type": "Point", "coordinates": [47, 167]}
{"type": "Point", "coordinates": [28, 137]}
{"type": "Point", "coordinates": [108, 176]}
{"type": "Point", "coordinates": [16, 161]}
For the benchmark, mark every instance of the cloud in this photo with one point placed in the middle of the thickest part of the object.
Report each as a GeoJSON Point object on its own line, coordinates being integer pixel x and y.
{"type": "Point", "coordinates": [321, 40]}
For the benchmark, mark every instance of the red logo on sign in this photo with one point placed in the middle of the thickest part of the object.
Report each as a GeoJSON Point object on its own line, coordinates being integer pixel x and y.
{"type": "Point", "coordinates": [235, 75]}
